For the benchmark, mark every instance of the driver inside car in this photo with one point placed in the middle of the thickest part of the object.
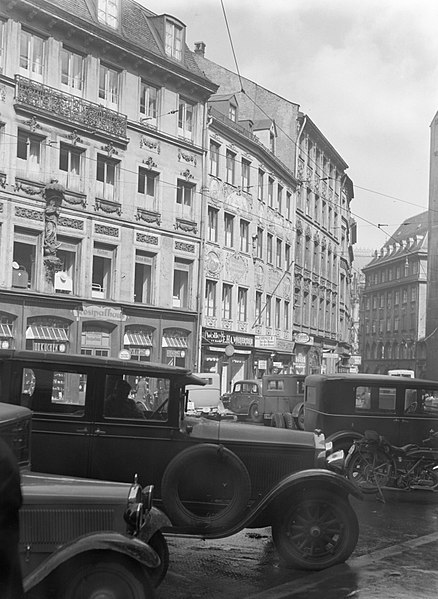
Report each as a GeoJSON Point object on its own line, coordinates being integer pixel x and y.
{"type": "Point", "coordinates": [119, 404]}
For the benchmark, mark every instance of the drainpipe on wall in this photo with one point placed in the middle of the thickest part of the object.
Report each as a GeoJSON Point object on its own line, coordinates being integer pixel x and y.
{"type": "Point", "coordinates": [201, 262]}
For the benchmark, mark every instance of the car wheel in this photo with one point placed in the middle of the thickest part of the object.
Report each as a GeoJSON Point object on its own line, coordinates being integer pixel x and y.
{"type": "Point", "coordinates": [105, 576]}
{"type": "Point", "coordinates": [289, 420]}
{"type": "Point", "coordinates": [369, 470]}
{"type": "Point", "coordinates": [299, 420]}
{"type": "Point", "coordinates": [317, 531]}
{"type": "Point", "coordinates": [205, 486]}
{"type": "Point", "coordinates": [277, 420]}
{"type": "Point", "coordinates": [254, 413]}
{"type": "Point", "coordinates": [159, 545]}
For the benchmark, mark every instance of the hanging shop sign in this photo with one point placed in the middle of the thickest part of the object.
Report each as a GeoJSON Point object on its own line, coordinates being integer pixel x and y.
{"type": "Point", "coordinates": [303, 339]}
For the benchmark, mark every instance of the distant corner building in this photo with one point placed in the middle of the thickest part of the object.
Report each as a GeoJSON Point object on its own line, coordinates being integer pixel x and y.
{"type": "Point", "coordinates": [393, 301]}
{"type": "Point", "coordinates": [148, 205]}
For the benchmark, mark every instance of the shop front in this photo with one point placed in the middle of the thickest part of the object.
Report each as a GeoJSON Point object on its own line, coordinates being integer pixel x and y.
{"type": "Point", "coordinates": [231, 355]}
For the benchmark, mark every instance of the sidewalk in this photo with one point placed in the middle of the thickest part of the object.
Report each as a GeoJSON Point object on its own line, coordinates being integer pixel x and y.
{"type": "Point", "coordinates": [408, 570]}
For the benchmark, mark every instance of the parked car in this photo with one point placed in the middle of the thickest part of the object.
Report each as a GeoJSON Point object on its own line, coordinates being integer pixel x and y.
{"type": "Point", "coordinates": [207, 398]}
{"type": "Point", "coordinates": [245, 399]}
{"type": "Point", "coordinates": [213, 477]}
{"type": "Point", "coordinates": [283, 400]}
{"type": "Point", "coordinates": [344, 406]}
{"type": "Point", "coordinates": [97, 535]}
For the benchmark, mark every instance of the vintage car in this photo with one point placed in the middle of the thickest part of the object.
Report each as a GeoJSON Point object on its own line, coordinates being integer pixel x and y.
{"type": "Point", "coordinates": [283, 400]}
{"type": "Point", "coordinates": [212, 477]}
{"type": "Point", "coordinates": [245, 399]}
{"type": "Point", "coordinates": [103, 537]}
{"type": "Point", "coordinates": [344, 406]}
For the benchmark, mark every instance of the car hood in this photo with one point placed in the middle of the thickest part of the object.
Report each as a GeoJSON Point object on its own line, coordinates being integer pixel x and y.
{"type": "Point", "coordinates": [36, 485]}
{"type": "Point", "coordinates": [223, 431]}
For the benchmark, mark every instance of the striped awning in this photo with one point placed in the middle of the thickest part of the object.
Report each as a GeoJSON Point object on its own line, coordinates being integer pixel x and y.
{"type": "Point", "coordinates": [6, 331]}
{"type": "Point", "coordinates": [140, 339]}
{"type": "Point", "coordinates": [44, 333]}
{"type": "Point", "coordinates": [172, 341]}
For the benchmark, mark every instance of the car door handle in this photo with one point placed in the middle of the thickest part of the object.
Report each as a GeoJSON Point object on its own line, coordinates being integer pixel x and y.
{"type": "Point", "coordinates": [82, 430]}
{"type": "Point", "coordinates": [99, 431]}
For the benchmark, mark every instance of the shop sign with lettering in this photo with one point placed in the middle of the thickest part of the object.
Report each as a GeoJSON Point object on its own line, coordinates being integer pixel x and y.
{"type": "Point", "coordinates": [217, 337]}
{"type": "Point", "coordinates": [49, 347]}
{"type": "Point", "coordinates": [303, 339]}
{"type": "Point", "coordinates": [100, 312]}
{"type": "Point", "coordinates": [266, 341]}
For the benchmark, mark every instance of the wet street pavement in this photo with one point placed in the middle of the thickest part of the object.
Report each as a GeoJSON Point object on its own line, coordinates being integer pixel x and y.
{"type": "Point", "coordinates": [396, 558]}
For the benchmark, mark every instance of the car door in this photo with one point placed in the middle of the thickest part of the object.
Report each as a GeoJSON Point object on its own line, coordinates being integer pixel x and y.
{"type": "Point", "coordinates": [60, 398]}
{"type": "Point", "coordinates": [418, 410]}
{"type": "Point", "coordinates": [375, 409]}
{"type": "Point", "coordinates": [128, 441]}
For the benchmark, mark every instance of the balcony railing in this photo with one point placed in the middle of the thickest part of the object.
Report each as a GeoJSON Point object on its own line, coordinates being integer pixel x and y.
{"type": "Point", "coordinates": [31, 94]}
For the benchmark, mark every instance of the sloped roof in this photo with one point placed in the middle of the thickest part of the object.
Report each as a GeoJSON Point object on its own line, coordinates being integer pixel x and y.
{"type": "Point", "coordinates": [137, 26]}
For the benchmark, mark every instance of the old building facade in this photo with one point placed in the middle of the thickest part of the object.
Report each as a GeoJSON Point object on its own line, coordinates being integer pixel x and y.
{"type": "Point", "coordinates": [102, 112]}
{"type": "Point", "coordinates": [297, 205]}
{"type": "Point", "coordinates": [393, 302]}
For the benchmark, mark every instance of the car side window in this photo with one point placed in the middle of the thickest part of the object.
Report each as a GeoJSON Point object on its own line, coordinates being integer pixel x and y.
{"type": "Point", "coordinates": [422, 401]}
{"type": "Point", "coordinates": [56, 392]}
{"type": "Point", "coordinates": [387, 399]}
{"type": "Point", "coordinates": [363, 398]}
{"type": "Point", "coordinates": [136, 397]}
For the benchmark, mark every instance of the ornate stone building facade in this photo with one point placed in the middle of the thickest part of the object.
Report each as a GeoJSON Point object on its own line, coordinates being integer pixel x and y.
{"type": "Point", "coordinates": [102, 114]}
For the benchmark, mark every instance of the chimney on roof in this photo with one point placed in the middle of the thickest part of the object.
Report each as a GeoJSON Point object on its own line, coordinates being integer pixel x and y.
{"type": "Point", "coordinates": [200, 48]}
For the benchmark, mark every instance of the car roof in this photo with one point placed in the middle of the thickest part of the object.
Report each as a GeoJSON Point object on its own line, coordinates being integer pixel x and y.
{"type": "Point", "coordinates": [370, 378]}
{"type": "Point", "coordinates": [150, 368]}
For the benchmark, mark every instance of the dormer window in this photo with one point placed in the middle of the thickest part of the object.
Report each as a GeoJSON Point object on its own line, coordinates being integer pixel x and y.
{"type": "Point", "coordinates": [174, 40]}
{"type": "Point", "coordinates": [108, 12]}
{"type": "Point", "coordinates": [232, 113]}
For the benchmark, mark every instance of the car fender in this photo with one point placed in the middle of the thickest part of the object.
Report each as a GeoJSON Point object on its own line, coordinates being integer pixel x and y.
{"type": "Point", "coordinates": [303, 480]}
{"type": "Point", "coordinates": [156, 520]}
{"type": "Point", "coordinates": [340, 436]}
{"type": "Point", "coordinates": [131, 547]}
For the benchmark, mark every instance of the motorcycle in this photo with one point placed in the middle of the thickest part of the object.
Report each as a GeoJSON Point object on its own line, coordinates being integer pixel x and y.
{"type": "Point", "coordinates": [373, 463]}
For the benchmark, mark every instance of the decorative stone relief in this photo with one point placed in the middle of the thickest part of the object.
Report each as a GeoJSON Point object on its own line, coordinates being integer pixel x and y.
{"type": "Point", "coordinates": [149, 162]}
{"type": "Point", "coordinates": [213, 265]}
{"type": "Point", "coordinates": [71, 223]}
{"type": "Point", "coordinates": [75, 200]}
{"type": "Point", "coordinates": [259, 276]}
{"type": "Point", "coordinates": [106, 230]}
{"type": "Point", "coordinates": [186, 225]}
{"type": "Point", "coordinates": [287, 287]}
{"type": "Point", "coordinates": [148, 216]}
{"type": "Point", "coordinates": [145, 238]}
{"type": "Point", "coordinates": [107, 207]}
{"type": "Point", "coordinates": [237, 268]}
{"type": "Point", "coordinates": [181, 246]}
{"type": "Point", "coordinates": [2, 93]}
{"type": "Point", "coordinates": [29, 213]}
{"type": "Point", "coordinates": [29, 189]}
{"type": "Point", "coordinates": [186, 156]}
{"type": "Point", "coordinates": [151, 144]}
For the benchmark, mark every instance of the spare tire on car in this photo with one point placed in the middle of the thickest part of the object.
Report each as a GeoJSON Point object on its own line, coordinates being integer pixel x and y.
{"type": "Point", "coordinates": [205, 486]}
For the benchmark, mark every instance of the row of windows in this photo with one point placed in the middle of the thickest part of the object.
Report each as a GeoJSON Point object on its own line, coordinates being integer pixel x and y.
{"type": "Point", "coordinates": [404, 269]}
{"type": "Point", "coordinates": [72, 172]}
{"type": "Point", "coordinates": [392, 324]}
{"type": "Point", "coordinates": [73, 79]}
{"type": "Point", "coordinates": [274, 312]}
{"type": "Point", "coordinates": [27, 255]}
{"type": "Point", "coordinates": [391, 298]}
{"type": "Point", "coordinates": [268, 190]}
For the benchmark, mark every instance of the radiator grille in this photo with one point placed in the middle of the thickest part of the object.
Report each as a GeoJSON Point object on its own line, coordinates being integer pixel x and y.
{"type": "Point", "coordinates": [55, 526]}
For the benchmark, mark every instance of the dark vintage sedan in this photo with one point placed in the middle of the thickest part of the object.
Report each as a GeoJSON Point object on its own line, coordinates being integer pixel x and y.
{"type": "Point", "coordinates": [110, 419]}
{"type": "Point", "coordinates": [104, 538]}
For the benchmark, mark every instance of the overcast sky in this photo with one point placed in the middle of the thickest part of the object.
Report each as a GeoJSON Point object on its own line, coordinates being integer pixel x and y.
{"type": "Point", "coordinates": [365, 71]}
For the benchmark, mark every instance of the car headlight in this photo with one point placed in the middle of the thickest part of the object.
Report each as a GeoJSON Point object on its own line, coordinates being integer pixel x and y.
{"type": "Point", "coordinates": [138, 506]}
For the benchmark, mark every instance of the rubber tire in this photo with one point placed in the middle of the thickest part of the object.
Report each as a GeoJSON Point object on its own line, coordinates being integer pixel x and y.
{"type": "Point", "coordinates": [289, 420]}
{"type": "Point", "coordinates": [367, 462]}
{"type": "Point", "coordinates": [299, 420]}
{"type": "Point", "coordinates": [83, 577]}
{"type": "Point", "coordinates": [254, 413]}
{"type": "Point", "coordinates": [277, 420]}
{"type": "Point", "coordinates": [211, 459]}
{"type": "Point", "coordinates": [334, 515]}
{"type": "Point", "coordinates": [160, 546]}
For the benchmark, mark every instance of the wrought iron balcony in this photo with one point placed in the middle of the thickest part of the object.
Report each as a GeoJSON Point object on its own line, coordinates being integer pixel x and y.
{"type": "Point", "coordinates": [50, 101]}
